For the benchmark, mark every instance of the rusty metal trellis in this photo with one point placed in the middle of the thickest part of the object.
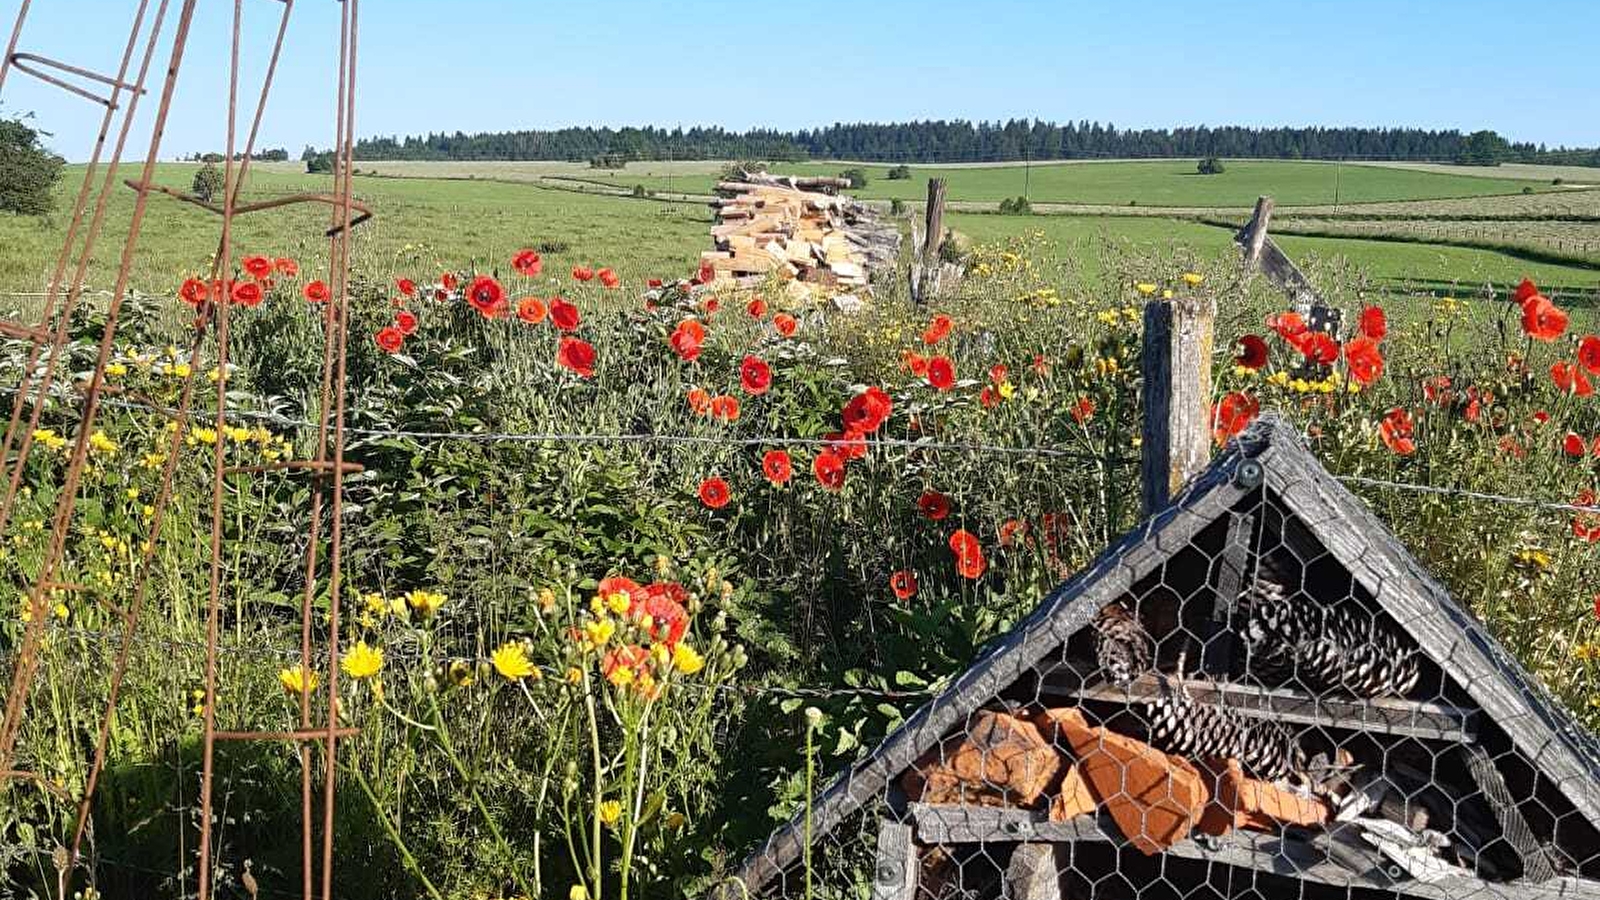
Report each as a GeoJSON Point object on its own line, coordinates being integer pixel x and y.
{"type": "Point", "coordinates": [49, 339]}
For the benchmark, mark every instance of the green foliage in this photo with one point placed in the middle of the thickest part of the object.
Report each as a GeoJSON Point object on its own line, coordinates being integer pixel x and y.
{"type": "Point", "coordinates": [898, 173]}
{"type": "Point", "coordinates": [208, 182]}
{"type": "Point", "coordinates": [608, 161]}
{"type": "Point", "coordinates": [897, 207]}
{"type": "Point", "coordinates": [319, 164]}
{"type": "Point", "coordinates": [856, 176]}
{"type": "Point", "coordinates": [1483, 148]}
{"type": "Point", "coordinates": [1210, 166]}
{"type": "Point", "coordinates": [28, 172]}
{"type": "Point", "coordinates": [1016, 206]}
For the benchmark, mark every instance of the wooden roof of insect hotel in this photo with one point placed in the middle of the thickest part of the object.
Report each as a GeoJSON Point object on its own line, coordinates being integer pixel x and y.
{"type": "Point", "coordinates": [1256, 691]}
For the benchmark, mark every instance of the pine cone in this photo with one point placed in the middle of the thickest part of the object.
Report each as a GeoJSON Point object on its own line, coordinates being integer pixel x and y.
{"type": "Point", "coordinates": [1184, 727]}
{"type": "Point", "coordinates": [1341, 647]}
{"type": "Point", "coordinates": [1122, 646]}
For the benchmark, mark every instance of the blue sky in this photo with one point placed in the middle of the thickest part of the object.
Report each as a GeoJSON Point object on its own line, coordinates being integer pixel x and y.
{"type": "Point", "coordinates": [1527, 70]}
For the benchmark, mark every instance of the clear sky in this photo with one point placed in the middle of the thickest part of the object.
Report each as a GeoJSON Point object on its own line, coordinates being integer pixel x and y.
{"type": "Point", "coordinates": [1528, 70]}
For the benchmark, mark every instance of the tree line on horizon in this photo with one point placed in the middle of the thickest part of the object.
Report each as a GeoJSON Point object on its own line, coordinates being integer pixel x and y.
{"type": "Point", "coordinates": [964, 141]}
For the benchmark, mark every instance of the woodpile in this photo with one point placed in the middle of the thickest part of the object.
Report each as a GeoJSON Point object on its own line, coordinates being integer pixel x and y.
{"type": "Point", "coordinates": [801, 230]}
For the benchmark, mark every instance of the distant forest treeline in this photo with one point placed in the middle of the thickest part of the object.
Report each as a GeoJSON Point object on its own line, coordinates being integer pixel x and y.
{"type": "Point", "coordinates": [962, 141]}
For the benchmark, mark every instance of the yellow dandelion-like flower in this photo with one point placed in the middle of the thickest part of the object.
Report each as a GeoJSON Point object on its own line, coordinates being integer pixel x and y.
{"type": "Point", "coordinates": [574, 675]}
{"type": "Point", "coordinates": [618, 603]}
{"type": "Point", "coordinates": [362, 661]}
{"type": "Point", "coordinates": [425, 602]}
{"type": "Point", "coordinates": [99, 443]}
{"type": "Point", "coordinates": [202, 435]}
{"type": "Point", "coordinates": [547, 599]}
{"type": "Point", "coordinates": [1192, 278]}
{"type": "Point", "coordinates": [238, 435]}
{"type": "Point", "coordinates": [578, 892]}
{"type": "Point", "coordinates": [609, 812]}
{"type": "Point", "coordinates": [511, 661]}
{"type": "Point", "coordinates": [116, 370]}
{"type": "Point", "coordinates": [621, 676]}
{"type": "Point", "coordinates": [687, 660]}
{"type": "Point", "coordinates": [296, 679]}
{"type": "Point", "coordinates": [49, 439]}
{"type": "Point", "coordinates": [1145, 288]}
{"type": "Point", "coordinates": [1007, 391]}
{"type": "Point", "coordinates": [182, 370]}
{"type": "Point", "coordinates": [599, 631]}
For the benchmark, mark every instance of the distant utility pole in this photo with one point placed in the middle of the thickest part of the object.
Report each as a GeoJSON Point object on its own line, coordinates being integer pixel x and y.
{"type": "Point", "coordinates": [1336, 184]}
{"type": "Point", "coordinates": [1027, 171]}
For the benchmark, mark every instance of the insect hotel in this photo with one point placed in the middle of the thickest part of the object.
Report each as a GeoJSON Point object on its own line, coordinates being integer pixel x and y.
{"type": "Point", "coordinates": [1256, 693]}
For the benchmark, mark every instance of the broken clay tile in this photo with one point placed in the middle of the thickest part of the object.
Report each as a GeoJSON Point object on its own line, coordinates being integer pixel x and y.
{"type": "Point", "coordinates": [1000, 759]}
{"type": "Point", "coordinates": [1074, 798]}
{"type": "Point", "coordinates": [1243, 802]}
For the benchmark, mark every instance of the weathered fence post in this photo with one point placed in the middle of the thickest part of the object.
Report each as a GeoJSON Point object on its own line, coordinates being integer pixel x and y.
{"type": "Point", "coordinates": [1257, 237]}
{"type": "Point", "coordinates": [926, 282]}
{"type": "Point", "coordinates": [1176, 362]}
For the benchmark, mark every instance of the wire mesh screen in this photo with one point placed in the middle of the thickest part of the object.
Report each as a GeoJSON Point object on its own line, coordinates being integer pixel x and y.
{"type": "Point", "coordinates": [1253, 695]}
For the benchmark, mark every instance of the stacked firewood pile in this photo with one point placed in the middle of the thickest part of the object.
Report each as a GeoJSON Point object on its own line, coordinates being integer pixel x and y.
{"type": "Point", "coordinates": [801, 230]}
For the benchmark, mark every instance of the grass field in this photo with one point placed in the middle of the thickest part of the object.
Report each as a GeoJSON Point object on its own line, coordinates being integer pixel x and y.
{"type": "Point", "coordinates": [422, 223]}
{"type": "Point", "coordinates": [1146, 183]}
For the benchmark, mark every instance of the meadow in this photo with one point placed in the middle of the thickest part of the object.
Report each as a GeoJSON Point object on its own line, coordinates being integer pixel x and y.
{"type": "Point", "coordinates": [660, 525]}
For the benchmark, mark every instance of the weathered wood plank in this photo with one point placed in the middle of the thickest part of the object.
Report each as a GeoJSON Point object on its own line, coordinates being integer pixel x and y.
{"type": "Point", "coordinates": [1217, 656]}
{"type": "Point", "coordinates": [1032, 873]}
{"type": "Point", "coordinates": [1176, 365]}
{"type": "Point", "coordinates": [896, 872]}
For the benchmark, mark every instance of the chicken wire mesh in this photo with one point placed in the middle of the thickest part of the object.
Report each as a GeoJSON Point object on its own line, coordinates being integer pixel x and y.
{"type": "Point", "coordinates": [1256, 693]}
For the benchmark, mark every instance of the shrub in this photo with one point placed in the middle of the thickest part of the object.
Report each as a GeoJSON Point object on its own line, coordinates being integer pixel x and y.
{"type": "Point", "coordinates": [1558, 181]}
{"type": "Point", "coordinates": [857, 177]}
{"type": "Point", "coordinates": [608, 161]}
{"type": "Point", "coordinates": [1210, 166]}
{"type": "Point", "coordinates": [28, 172]}
{"type": "Point", "coordinates": [639, 191]}
{"type": "Point", "coordinates": [208, 182]}
{"type": "Point", "coordinates": [897, 207]}
{"type": "Point", "coordinates": [899, 173]}
{"type": "Point", "coordinates": [321, 163]}
{"type": "Point", "coordinates": [1016, 206]}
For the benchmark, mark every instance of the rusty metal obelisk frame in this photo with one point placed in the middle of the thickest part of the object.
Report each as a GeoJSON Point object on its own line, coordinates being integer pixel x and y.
{"type": "Point", "coordinates": [48, 338]}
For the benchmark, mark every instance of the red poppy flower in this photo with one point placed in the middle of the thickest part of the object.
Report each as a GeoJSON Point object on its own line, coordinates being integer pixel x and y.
{"type": "Point", "coordinates": [699, 400]}
{"type": "Point", "coordinates": [776, 466]}
{"type": "Point", "coordinates": [755, 376]}
{"type": "Point", "coordinates": [988, 397]}
{"type": "Point", "coordinates": [448, 280]}
{"type": "Point", "coordinates": [389, 339]}
{"type": "Point", "coordinates": [486, 296]}
{"type": "Point", "coordinates": [532, 310]}
{"type": "Point", "coordinates": [756, 308]}
{"type": "Point", "coordinates": [1373, 323]}
{"type": "Point", "coordinates": [1286, 324]}
{"type": "Point", "coordinates": [1476, 400]}
{"type": "Point", "coordinates": [915, 363]}
{"type": "Point", "coordinates": [1509, 446]}
{"type": "Point", "coordinates": [785, 324]}
{"type": "Point", "coordinates": [1082, 411]}
{"type": "Point", "coordinates": [867, 411]}
{"type": "Point", "coordinates": [1571, 380]}
{"type": "Point", "coordinates": [193, 292]}
{"type": "Point", "coordinates": [997, 373]}
{"type": "Point", "coordinates": [969, 554]}
{"type": "Point", "coordinates": [1252, 353]}
{"type": "Point", "coordinates": [934, 505]}
{"type": "Point", "coordinates": [1540, 417]}
{"type": "Point", "coordinates": [576, 355]}
{"type": "Point", "coordinates": [1012, 531]}
{"type": "Point", "coordinates": [828, 466]}
{"type": "Point", "coordinates": [849, 444]}
{"type": "Point", "coordinates": [687, 338]}
{"type": "Point", "coordinates": [653, 282]}
{"type": "Point", "coordinates": [617, 584]}
{"type": "Point", "coordinates": [1525, 291]}
{"type": "Point", "coordinates": [941, 373]}
{"type": "Point", "coordinates": [406, 321]}
{"type": "Point", "coordinates": [246, 293]}
{"type": "Point", "coordinates": [904, 584]}
{"type": "Point", "coordinates": [582, 273]}
{"type": "Point", "coordinates": [1586, 525]}
{"type": "Point", "coordinates": [1589, 353]}
{"type": "Point", "coordinates": [669, 620]}
{"type": "Point", "coordinates": [564, 315]}
{"type": "Point", "coordinates": [1543, 320]}
{"type": "Point", "coordinates": [1040, 366]}
{"type": "Point", "coordinates": [1398, 431]}
{"type": "Point", "coordinates": [1574, 445]}
{"type": "Point", "coordinates": [286, 267]}
{"type": "Point", "coordinates": [608, 278]}
{"type": "Point", "coordinates": [527, 263]}
{"type": "Point", "coordinates": [725, 408]}
{"type": "Point", "coordinates": [937, 330]}
{"type": "Point", "coordinates": [1364, 359]}
{"type": "Point", "coordinates": [259, 267]}
{"type": "Point", "coordinates": [1317, 346]}
{"type": "Point", "coordinates": [1232, 415]}
{"type": "Point", "coordinates": [316, 292]}
{"type": "Point", "coordinates": [714, 493]}
{"type": "Point", "coordinates": [406, 286]}
{"type": "Point", "coordinates": [1436, 390]}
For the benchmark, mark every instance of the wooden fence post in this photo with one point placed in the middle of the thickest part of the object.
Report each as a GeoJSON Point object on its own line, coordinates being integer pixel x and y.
{"type": "Point", "coordinates": [1176, 362]}
{"type": "Point", "coordinates": [1257, 237]}
{"type": "Point", "coordinates": [927, 282]}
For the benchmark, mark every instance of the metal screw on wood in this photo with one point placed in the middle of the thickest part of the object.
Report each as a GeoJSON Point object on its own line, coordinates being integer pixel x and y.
{"type": "Point", "coordinates": [1018, 828]}
{"type": "Point", "coordinates": [1249, 475]}
{"type": "Point", "coordinates": [889, 872]}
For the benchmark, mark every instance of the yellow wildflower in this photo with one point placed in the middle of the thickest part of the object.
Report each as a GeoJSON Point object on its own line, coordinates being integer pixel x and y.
{"type": "Point", "coordinates": [1192, 278]}
{"type": "Point", "coordinates": [99, 443]}
{"type": "Point", "coordinates": [362, 661]}
{"type": "Point", "coordinates": [1007, 391]}
{"type": "Point", "coordinates": [599, 631]}
{"type": "Point", "coordinates": [181, 370]}
{"type": "Point", "coordinates": [1145, 288]}
{"type": "Point", "coordinates": [1166, 294]}
{"type": "Point", "coordinates": [574, 675]}
{"type": "Point", "coordinates": [238, 435]}
{"type": "Point", "coordinates": [621, 676]}
{"type": "Point", "coordinates": [460, 673]}
{"type": "Point", "coordinates": [547, 599]}
{"type": "Point", "coordinates": [578, 892]}
{"type": "Point", "coordinates": [116, 370]}
{"type": "Point", "coordinates": [610, 811]}
{"type": "Point", "coordinates": [618, 602]}
{"type": "Point", "coordinates": [49, 438]}
{"type": "Point", "coordinates": [1279, 378]}
{"type": "Point", "coordinates": [154, 460]}
{"type": "Point", "coordinates": [687, 660]}
{"type": "Point", "coordinates": [511, 661]}
{"type": "Point", "coordinates": [297, 680]}
{"type": "Point", "coordinates": [425, 602]}
{"type": "Point", "coordinates": [202, 435]}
